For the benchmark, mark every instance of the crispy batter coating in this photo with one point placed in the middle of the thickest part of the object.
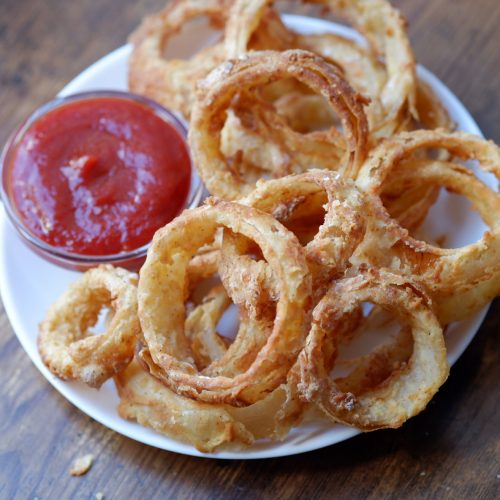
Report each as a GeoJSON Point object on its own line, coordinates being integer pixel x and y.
{"type": "Point", "coordinates": [145, 400]}
{"type": "Point", "coordinates": [341, 229]}
{"type": "Point", "coordinates": [385, 29]}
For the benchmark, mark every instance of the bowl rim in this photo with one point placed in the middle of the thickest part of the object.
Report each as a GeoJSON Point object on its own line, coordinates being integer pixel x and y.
{"type": "Point", "coordinates": [64, 256]}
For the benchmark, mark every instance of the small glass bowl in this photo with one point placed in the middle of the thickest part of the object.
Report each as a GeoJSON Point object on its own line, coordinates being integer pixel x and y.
{"type": "Point", "coordinates": [132, 259]}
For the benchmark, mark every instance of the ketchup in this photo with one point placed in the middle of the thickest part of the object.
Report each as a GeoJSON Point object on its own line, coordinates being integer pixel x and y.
{"type": "Point", "coordinates": [99, 176]}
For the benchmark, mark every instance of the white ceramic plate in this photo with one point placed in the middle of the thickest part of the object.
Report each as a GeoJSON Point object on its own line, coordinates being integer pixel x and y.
{"type": "Point", "coordinates": [29, 284]}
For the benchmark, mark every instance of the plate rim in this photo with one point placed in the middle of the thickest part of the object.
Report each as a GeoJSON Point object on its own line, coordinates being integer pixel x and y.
{"type": "Point", "coordinates": [148, 438]}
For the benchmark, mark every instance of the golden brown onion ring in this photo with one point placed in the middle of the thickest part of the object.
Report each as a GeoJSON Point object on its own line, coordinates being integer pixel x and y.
{"type": "Point", "coordinates": [148, 402]}
{"type": "Point", "coordinates": [250, 283]}
{"type": "Point", "coordinates": [65, 344]}
{"type": "Point", "coordinates": [162, 282]}
{"type": "Point", "coordinates": [408, 390]}
{"type": "Point", "coordinates": [220, 87]}
{"type": "Point", "coordinates": [392, 151]}
{"type": "Point", "coordinates": [208, 427]}
{"type": "Point", "coordinates": [389, 245]}
{"type": "Point", "coordinates": [172, 82]}
{"type": "Point", "coordinates": [385, 29]}
{"type": "Point", "coordinates": [392, 88]}
{"type": "Point", "coordinates": [470, 275]}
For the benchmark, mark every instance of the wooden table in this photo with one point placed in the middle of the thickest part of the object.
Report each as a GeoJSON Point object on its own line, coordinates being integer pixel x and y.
{"type": "Point", "coordinates": [449, 451]}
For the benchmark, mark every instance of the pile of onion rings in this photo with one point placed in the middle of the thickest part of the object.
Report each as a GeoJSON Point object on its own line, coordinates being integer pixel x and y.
{"type": "Point", "coordinates": [323, 158]}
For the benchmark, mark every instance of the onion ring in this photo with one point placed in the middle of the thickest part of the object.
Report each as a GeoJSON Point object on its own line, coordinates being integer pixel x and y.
{"type": "Point", "coordinates": [389, 245]}
{"type": "Point", "coordinates": [147, 401]}
{"type": "Point", "coordinates": [385, 29]}
{"type": "Point", "coordinates": [64, 343]}
{"type": "Point", "coordinates": [233, 77]}
{"type": "Point", "coordinates": [172, 82]}
{"type": "Point", "coordinates": [163, 279]}
{"type": "Point", "coordinates": [409, 388]}
{"type": "Point", "coordinates": [208, 427]}
{"type": "Point", "coordinates": [250, 283]}
{"type": "Point", "coordinates": [394, 95]}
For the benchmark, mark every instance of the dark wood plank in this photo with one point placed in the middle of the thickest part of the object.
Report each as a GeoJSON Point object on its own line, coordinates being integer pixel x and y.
{"type": "Point", "coordinates": [452, 450]}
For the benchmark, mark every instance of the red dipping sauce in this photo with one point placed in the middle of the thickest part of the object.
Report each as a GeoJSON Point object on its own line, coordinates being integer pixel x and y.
{"type": "Point", "coordinates": [98, 176]}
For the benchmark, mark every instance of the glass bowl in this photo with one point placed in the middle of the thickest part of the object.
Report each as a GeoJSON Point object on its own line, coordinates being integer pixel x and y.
{"type": "Point", "coordinates": [130, 259]}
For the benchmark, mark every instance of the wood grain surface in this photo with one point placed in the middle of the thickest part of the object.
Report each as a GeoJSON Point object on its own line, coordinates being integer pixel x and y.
{"type": "Point", "coordinates": [452, 450]}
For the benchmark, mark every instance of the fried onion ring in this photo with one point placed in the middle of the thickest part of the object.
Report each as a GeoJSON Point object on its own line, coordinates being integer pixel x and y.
{"type": "Point", "coordinates": [440, 270]}
{"type": "Point", "coordinates": [163, 278]}
{"type": "Point", "coordinates": [233, 77]}
{"type": "Point", "coordinates": [408, 389]}
{"type": "Point", "coordinates": [148, 402]}
{"type": "Point", "coordinates": [392, 86]}
{"type": "Point", "coordinates": [208, 427]}
{"type": "Point", "coordinates": [65, 344]}
{"type": "Point", "coordinates": [385, 29]}
{"type": "Point", "coordinates": [172, 82]}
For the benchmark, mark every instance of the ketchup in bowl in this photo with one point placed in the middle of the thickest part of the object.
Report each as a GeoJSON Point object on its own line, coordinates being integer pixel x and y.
{"type": "Point", "coordinates": [91, 177]}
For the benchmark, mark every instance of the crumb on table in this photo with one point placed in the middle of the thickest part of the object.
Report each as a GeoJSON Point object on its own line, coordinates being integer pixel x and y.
{"type": "Point", "coordinates": [81, 465]}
